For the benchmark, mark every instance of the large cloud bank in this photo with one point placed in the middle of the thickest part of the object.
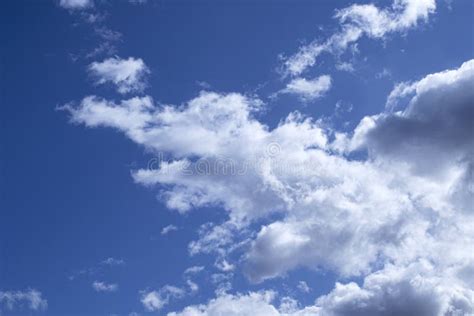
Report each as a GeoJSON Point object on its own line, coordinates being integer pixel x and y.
{"type": "Point", "coordinates": [400, 219]}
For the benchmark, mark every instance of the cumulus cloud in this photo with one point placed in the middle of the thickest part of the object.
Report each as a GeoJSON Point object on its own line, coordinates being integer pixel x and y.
{"type": "Point", "coordinates": [427, 152]}
{"type": "Point", "coordinates": [128, 75]}
{"type": "Point", "coordinates": [104, 287]}
{"type": "Point", "coordinates": [31, 299]}
{"type": "Point", "coordinates": [76, 4]}
{"type": "Point", "coordinates": [414, 290]}
{"type": "Point", "coordinates": [433, 133]}
{"type": "Point", "coordinates": [362, 20]}
{"type": "Point", "coordinates": [440, 131]}
{"type": "Point", "coordinates": [253, 304]}
{"type": "Point", "coordinates": [309, 90]}
{"type": "Point", "coordinates": [418, 289]}
{"type": "Point", "coordinates": [380, 219]}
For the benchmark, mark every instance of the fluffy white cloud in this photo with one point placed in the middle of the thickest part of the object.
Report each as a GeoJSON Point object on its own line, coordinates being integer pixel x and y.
{"type": "Point", "coordinates": [351, 214]}
{"type": "Point", "coordinates": [128, 75]}
{"type": "Point", "coordinates": [76, 4]}
{"type": "Point", "coordinates": [432, 135]}
{"type": "Point", "coordinates": [419, 289]}
{"type": "Point", "coordinates": [420, 173]}
{"type": "Point", "coordinates": [104, 287]}
{"type": "Point", "coordinates": [156, 300]}
{"type": "Point", "coordinates": [309, 90]}
{"type": "Point", "coordinates": [211, 116]}
{"type": "Point", "coordinates": [253, 304]}
{"type": "Point", "coordinates": [379, 218]}
{"type": "Point", "coordinates": [359, 20]}
{"type": "Point", "coordinates": [152, 301]}
{"type": "Point", "coordinates": [30, 298]}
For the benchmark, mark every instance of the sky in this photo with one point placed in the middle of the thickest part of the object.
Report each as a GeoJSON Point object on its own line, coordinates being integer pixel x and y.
{"type": "Point", "coordinates": [260, 158]}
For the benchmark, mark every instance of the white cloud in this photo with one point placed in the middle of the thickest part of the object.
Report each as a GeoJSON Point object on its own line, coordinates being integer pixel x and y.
{"type": "Point", "coordinates": [303, 287]}
{"type": "Point", "coordinates": [253, 304]}
{"type": "Point", "coordinates": [113, 262]}
{"type": "Point", "coordinates": [98, 268]}
{"type": "Point", "coordinates": [433, 133]}
{"type": "Point", "coordinates": [168, 229]}
{"type": "Point", "coordinates": [224, 265]}
{"type": "Point", "coordinates": [309, 90]}
{"type": "Point", "coordinates": [76, 4]}
{"type": "Point", "coordinates": [358, 20]}
{"type": "Point", "coordinates": [31, 299]}
{"type": "Point", "coordinates": [210, 116]}
{"type": "Point", "coordinates": [152, 301]}
{"type": "Point", "coordinates": [385, 73]}
{"type": "Point", "coordinates": [288, 305]}
{"type": "Point", "coordinates": [418, 289]}
{"type": "Point", "coordinates": [194, 270]}
{"type": "Point", "coordinates": [193, 287]}
{"type": "Point", "coordinates": [104, 287]}
{"type": "Point", "coordinates": [95, 19]}
{"type": "Point", "coordinates": [426, 152]}
{"type": "Point", "coordinates": [156, 300]}
{"type": "Point", "coordinates": [345, 66]}
{"type": "Point", "coordinates": [128, 75]}
{"type": "Point", "coordinates": [408, 203]}
{"type": "Point", "coordinates": [413, 290]}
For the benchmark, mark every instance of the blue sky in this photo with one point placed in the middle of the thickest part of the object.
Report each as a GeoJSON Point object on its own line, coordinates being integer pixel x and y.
{"type": "Point", "coordinates": [82, 214]}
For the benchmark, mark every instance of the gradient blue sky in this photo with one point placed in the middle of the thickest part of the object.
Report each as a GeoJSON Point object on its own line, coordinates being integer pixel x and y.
{"type": "Point", "coordinates": [68, 200]}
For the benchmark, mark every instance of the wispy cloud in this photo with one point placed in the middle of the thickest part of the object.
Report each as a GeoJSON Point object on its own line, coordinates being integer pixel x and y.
{"type": "Point", "coordinates": [96, 269]}
{"type": "Point", "coordinates": [113, 262]}
{"type": "Point", "coordinates": [104, 287]}
{"type": "Point", "coordinates": [76, 4]}
{"type": "Point", "coordinates": [303, 287]}
{"type": "Point", "coordinates": [356, 21]}
{"type": "Point", "coordinates": [167, 229]}
{"type": "Point", "coordinates": [194, 269]}
{"type": "Point", "coordinates": [30, 298]}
